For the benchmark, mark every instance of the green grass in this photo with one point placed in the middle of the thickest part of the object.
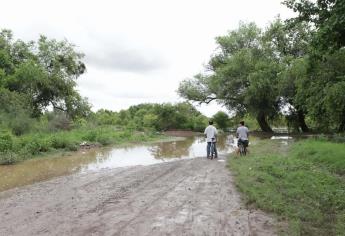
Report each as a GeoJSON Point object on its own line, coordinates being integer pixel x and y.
{"type": "Point", "coordinates": [326, 154]}
{"type": "Point", "coordinates": [303, 184]}
{"type": "Point", "coordinates": [18, 148]}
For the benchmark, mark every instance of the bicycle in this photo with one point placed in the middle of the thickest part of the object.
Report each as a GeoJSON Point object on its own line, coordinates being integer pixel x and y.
{"type": "Point", "coordinates": [213, 149]}
{"type": "Point", "coordinates": [242, 148]}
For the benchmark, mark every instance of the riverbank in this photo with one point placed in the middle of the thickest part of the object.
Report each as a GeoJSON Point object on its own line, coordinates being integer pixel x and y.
{"type": "Point", "coordinates": [303, 183]}
{"type": "Point", "coordinates": [14, 149]}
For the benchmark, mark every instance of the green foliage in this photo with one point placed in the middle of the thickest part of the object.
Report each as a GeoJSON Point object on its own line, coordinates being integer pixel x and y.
{"type": "Point", "coordinates": [106, 117]}
{"type": "Point", "coordinates": [58, 121]}
{"type": "Point", "coordinates": [328, 155]}
{"type": "Point", "coordinates": [244, 76]}
{"type": "Point", "coordinates": [249, 121]}
{"type": "Point", "coordinates": [6, 141]}
{"type": "Point", "coordinates": [56, 130]}
{"type": "Point", "coordinates": [8, 158]}
{"type": "Point", "coordinates": [266, 73]}
{"type": "Point", "coordinates": [328, 18]}
{"type": "Point", "coordinates": [302, 185]}
{"type": "Point", "coordinates": [221, 119]}
{"type": "Point", "coordinates": [45, 72]}
{"type": "Point", "coordinates": [17, 148]}
{"type": "Point", "coordinates": [321, 91]}
{"type": "Point", "coordinates": [155, 116]}
{"type": "Point", "coordinates": [14, 112]}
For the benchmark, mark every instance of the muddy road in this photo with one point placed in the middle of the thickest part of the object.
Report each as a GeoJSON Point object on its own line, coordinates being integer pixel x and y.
{"type": "Point", "coordinates": [185, 197]}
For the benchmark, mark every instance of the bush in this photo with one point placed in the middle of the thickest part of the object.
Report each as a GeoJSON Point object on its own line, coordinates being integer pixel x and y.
{"type": "Point", "coordinates": [33, 147]}
{"type": "Point", "coordinates": [6, 142]}
{"type": "Point", "coordinates": [72, 147]}
{"type": "Point", "coordinates": [59, 142]}
{"type": "Point", "coordinates": [90, 135]}
{"type": "Point", "coordinates": [8, 157]}
{"type": "Point", "coordinates": [59, 121]}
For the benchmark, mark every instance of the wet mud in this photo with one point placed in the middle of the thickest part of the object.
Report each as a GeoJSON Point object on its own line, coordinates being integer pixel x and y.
{"type": "Point", "coordinates": [188, 197]}
{"type": "Point", "coordinates": [184, 195]}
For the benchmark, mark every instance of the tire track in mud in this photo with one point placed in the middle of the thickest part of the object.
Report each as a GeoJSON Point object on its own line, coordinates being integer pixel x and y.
{"type": "Point", "coordinates": [187, 197]}
{"type": "Point", "coordinates": [170, 173]}
{"type": "Point", "coordinates": [126, 189]}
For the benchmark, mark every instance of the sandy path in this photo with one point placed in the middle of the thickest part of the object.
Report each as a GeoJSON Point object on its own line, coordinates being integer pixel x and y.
{"type": "Point", "coordinates": [189, 197]}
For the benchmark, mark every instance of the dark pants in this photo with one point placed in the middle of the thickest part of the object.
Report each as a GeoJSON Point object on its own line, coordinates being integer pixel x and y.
{"type": "Point", "coordinates": [209, 149]}
{"type": "Point", "coordinates": [244, 142]}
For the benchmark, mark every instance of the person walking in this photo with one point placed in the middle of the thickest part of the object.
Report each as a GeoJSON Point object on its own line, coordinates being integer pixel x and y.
{"type": "Point", "coordinates": [242, 133]}
{"type": "Point", "coordinates": [211, 138]}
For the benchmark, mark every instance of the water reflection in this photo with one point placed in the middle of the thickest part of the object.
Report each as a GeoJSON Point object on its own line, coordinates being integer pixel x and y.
{"type": "Point", "coordinates": [281, 137]}
{"type": "Point", "coordinates": [39, 169]}
{"type": "Point", "coordinates": [190, 147]}
{"type": "Point", "coordinates": [176, 149]}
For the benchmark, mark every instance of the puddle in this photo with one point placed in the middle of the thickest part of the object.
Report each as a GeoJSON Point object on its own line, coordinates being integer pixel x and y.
{"type": "Point", "coordinates": [281, 137]}
{"type": "Point", "coordinates": [40, 169]}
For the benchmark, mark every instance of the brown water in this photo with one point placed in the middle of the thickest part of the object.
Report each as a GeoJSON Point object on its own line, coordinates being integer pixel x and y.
{"type": "Point", "coordinates": [40, 169]}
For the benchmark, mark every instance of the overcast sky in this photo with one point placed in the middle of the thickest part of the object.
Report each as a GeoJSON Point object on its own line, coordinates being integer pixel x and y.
{"type": "Point", "coordinates": [137, 51]}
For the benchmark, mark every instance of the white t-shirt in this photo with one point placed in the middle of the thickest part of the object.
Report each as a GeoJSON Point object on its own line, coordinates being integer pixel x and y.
{"type": "Point", "coordinates": [210, 132]}
{"type": "Point", "coordinates": [242, 132]}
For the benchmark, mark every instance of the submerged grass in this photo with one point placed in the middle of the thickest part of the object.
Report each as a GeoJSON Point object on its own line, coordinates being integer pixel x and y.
{"type": "Point", "coordinates": [302, 184]}
{"type": "Point", "coordinates": [14, 149]}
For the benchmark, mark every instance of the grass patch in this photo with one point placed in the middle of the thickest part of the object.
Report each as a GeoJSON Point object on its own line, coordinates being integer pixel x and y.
{"type": "Point", "coordinates": [326, 154]}
{"type": "Point", "coordinates": [18, 148]}
{"type": "Point", "coordinates": [302, 184]}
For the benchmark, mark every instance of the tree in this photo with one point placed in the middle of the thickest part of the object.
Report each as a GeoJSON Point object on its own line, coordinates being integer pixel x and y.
{"type": "Point", "coordinates": [242, 75]}
{"type": "Point", "coordinates": [320, 84]}
{"type": "Point", "coordinates": [291, 45]}
{"type": "Point", "coordinates": [322, 91]}
{"type": "Point", "coordinates": [221, 119]}
{"type": "Point", "coordinates": [328, 18]}
{"type": "Point", "coordinates": [14, 112]}
{"type": "Point", "coordinates": [45, 70]}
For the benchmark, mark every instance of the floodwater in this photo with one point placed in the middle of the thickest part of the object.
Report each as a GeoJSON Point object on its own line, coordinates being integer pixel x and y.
{"type": "Point", "coordinates": [98, 159]}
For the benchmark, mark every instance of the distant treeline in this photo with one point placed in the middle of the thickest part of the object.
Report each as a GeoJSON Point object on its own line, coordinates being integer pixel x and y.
{"type": "Point", "coordinates": [294, 68]}
{"type": "Point", "coordinates": [41, 110]}
{"type": "Point", "coordinates": [159, 117]}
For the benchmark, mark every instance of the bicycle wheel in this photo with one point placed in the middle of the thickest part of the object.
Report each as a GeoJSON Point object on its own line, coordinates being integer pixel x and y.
{"type": "Point", "coordinates": [212, 150]}
{"type": "Point", "coordinates": [242, 149]}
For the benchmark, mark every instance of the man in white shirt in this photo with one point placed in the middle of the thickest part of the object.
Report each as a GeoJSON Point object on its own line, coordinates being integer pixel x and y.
{"type": "Point", "coordinates": [242, 134]}
{"type": "Point", "coordinates": [211, 135]}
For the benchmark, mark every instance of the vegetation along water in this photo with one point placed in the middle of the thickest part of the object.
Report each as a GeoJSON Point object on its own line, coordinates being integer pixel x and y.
{"type": "Point", "coordinates": [303, 183]}
{"type": "Point", "coordinates": [288, 75]}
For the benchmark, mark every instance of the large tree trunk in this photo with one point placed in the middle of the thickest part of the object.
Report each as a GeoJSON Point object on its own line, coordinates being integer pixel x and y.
{"type": "Point", "coordinates": [301, 121]}
{"type": "Point", "coordinates": [261, 119]}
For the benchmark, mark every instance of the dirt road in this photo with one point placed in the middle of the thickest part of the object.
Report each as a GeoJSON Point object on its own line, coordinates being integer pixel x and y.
{"type": "Point", "coordinates": [188, 197]}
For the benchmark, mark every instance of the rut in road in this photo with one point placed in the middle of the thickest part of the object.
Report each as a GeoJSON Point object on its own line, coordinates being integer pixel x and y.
{"type": "Point", "coordinates": [187, 197]}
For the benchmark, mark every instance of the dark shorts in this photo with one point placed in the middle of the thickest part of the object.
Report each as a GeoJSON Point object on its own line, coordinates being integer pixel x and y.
{"type": "Point", "coordinates": [244, 142]}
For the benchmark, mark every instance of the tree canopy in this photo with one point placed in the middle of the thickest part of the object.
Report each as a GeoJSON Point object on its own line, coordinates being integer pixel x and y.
{"type": "Point", "coordinates": [44, 72]}
{"type": "Point", "coordinates": [327, 16]}
{"type": "Point", "coordinates": [279, 70]}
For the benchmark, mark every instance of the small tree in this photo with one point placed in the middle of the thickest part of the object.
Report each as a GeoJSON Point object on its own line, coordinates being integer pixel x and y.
{"type": "Point", "coordinates": [221, 119]}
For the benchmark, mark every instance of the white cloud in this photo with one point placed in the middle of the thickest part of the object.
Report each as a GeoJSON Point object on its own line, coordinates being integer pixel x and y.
{"type": "Point", "coordinates": [136, 50]}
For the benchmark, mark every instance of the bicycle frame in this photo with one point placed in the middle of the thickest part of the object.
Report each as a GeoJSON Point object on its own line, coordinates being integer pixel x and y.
{"type": "Point", "coordinates": [212, 150]}
{"type": "Point", "coordinates": [242, 149]}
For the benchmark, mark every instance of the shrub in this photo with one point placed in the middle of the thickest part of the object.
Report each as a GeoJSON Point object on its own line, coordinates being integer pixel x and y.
{"type": "Point", "coordinates": [6, 142]}
{"type": "Point", "coordinates": [59, 141]}
{"type": "Point", "coordinates": [59, 121]}
{"type": "Point", "coordinates": [8, 157]}
{"type": "Point", "coordinates": [90, 135]}
{"type": "Point", "coordinates": [33, 147]}
{"type": "Point", "coordinates": [72, 147]}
